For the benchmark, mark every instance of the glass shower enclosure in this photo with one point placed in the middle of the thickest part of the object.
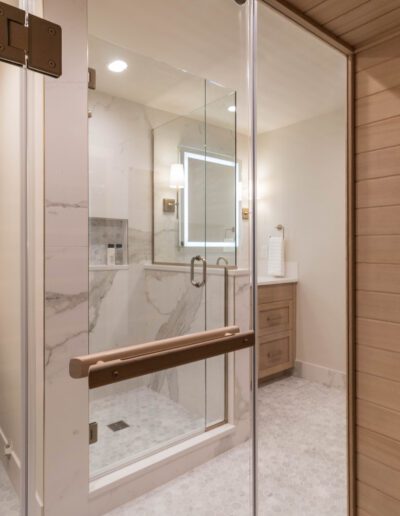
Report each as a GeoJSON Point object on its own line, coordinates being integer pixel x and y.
{"type": "Point", "coordinates": [169, 253]}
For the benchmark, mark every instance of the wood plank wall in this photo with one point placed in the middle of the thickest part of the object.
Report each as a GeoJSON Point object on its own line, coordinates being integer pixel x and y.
{"type": "Point", "coordinates": [354, 21]}
{"type": "Point", "coordinates": [378, 278]}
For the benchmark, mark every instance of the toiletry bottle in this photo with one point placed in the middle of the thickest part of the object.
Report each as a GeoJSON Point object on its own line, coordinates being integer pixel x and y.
{"type": "Point", "coordinates": [119, 255]}
{"type": "Point", "coordinates": [111, 254]}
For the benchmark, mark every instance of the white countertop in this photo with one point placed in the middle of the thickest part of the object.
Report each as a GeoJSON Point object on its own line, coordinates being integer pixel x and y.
{"type": "Point", "coordinates": [272, 280]}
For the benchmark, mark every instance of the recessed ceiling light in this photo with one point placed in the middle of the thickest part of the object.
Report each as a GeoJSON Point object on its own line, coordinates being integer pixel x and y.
{"type": "Point", "coordinates": [232, 109]}
{"type": "Point", "coordinates": [117, 66]}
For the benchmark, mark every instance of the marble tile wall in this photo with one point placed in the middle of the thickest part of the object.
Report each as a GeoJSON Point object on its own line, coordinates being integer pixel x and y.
{"type": "Point", "coordinates": [66, 272]}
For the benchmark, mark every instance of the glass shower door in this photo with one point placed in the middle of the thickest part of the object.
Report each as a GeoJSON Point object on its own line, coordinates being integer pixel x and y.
{"type": "Point", "coordinates": [145, 286]}
{"type": "Point", "coordinates": [12, 154]}
{"type": "Point", "coordinates": [163, 210]}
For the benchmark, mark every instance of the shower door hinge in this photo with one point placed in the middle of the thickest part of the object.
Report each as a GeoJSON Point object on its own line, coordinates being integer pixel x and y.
{"type": "Point", "coordinates": [93, 433]}
{"type": "Point", "coordinates": [29, 40]}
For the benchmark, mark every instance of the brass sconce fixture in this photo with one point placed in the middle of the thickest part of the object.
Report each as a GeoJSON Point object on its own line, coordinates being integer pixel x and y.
{"type": "Point", "coordinates": [245, 213]}
{"type": "Point", "coordinates": [169, 205]}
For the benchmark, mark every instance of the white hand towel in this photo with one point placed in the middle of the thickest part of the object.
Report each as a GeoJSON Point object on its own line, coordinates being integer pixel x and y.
{"type": "Point", "coordinates": [276, 256]}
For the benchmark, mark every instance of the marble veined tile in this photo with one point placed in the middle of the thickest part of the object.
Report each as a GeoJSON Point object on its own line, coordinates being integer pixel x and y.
{"type": "Point", "coordinates": [302, 462]}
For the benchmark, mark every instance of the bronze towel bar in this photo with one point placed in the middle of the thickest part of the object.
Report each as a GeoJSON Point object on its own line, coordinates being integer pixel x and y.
{"type": "Point", "coordinates": [122, 364]}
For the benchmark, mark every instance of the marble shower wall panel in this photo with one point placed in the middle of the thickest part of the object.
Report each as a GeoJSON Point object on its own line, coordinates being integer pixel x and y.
{"type": "Point", "coordinates": [66, 266]}
{"type": "Point", "coordinates": [242, 364]}
{"type": "Point", "coordinates": [120, 160]}
{"type": "Point", "coordinates": [175, 307]}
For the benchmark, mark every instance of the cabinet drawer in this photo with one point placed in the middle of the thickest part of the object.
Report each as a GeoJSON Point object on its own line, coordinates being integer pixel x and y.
{"type": "Point", "coordinates": [273, 293]}
{"type": "Point", "coordinates": [275, 317]}
{"type": "Point", "coordinates": [274, 353]}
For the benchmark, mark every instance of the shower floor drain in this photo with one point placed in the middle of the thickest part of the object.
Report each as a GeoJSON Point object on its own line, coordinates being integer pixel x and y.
{"type": "Point", "coordinates": [118, 425]}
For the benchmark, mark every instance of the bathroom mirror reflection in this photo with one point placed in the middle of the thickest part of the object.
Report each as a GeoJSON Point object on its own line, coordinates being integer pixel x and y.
{"type": "Point", "coordinates": [196, 179]}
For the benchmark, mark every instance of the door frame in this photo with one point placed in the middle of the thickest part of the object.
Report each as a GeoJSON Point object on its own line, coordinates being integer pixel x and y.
{"type": "Point", "coordinates": [347, 50]}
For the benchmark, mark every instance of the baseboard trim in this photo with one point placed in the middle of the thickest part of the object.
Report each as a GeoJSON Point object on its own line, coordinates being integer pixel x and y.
{"type": "Point", "coordinates": [320, 374]}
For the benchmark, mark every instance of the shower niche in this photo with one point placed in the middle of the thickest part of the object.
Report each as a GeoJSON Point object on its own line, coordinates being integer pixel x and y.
{"type": "Point", "coordinates": [108, 243]}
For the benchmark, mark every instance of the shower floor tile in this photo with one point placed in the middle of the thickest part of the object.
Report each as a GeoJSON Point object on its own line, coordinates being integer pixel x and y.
{"type": "Point", "coordinates": [302, 462]}
{"type": "Point", "coordinates": [153, 420]}
{"type": "Point", "coordinates": [9, 503]}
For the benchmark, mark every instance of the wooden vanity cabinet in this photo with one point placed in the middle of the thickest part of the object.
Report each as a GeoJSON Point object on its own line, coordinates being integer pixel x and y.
{"type": "Point", "coordinates": [276, 328]}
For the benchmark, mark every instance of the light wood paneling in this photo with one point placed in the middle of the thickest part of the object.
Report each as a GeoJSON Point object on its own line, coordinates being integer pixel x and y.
{"type": "Point", "coordinates": [362, 16]}
{"type": "Point", "coordinates": [382, 392]}
{"type": "Point", "coordinates": [378, 192]}
{"type": "Point", "coordinates": [385, 364]}
{"type": "Point", "coordinates": [375, 502]}
{"type": "Point", "coordinates": [378, 447]}
{"type": "Point", "coordinates": [383, 478]}
{"type": "Point", "coordinates": [378, 334]}
{"type": "Point", "coordinates": [381, 77]}
{"type": "Point", "coordinates": [378, 221]}
{"type": "Point", "coordinates": [327, 11]}
{"type": "Point", "coordinates": [384, 52]}
{"type": "Point", "coordinates": [379, 277]}
{"type": "Point", "coordinates": [378, 249]}
{"type": "Point", "coordinates": [377, 305]}
{"type": "Point", "coordinates": [354, 21]}
{"type": "Point", "coordinates": [366, 32]}
{"type": "Point", "coordinates": [378, 163]}
{"type": "Point", "coordinates": [378, 135]}
{"type": "Point", "coordinates": [361, 512]}
{"type": "Point", "coordinates": [378, 419]}
{"type": "Point", "coordinates": [379, 106]}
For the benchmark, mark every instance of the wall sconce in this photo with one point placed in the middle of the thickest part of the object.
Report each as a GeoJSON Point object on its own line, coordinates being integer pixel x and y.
{"type": "Point", "coordinates": [176, 180]}
{"type": "Point", "coordinates": [177, 176]}
{"type": "Point", "coordinates": [245, 213]}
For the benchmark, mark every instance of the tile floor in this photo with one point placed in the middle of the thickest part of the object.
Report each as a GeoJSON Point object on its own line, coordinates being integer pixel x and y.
{"type": "Point", "coordinates": [9, 503]}
{"type": "Point", "coordinates": [154, 421]}
{"type": "Point", "coordinates": [302, 462]}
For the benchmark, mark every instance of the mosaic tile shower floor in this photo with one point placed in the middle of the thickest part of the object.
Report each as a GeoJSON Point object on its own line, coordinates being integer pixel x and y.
{"type": "Point", "coordinates": [153, 421]}
{"type": "Point", "coordinates": [302, 462]}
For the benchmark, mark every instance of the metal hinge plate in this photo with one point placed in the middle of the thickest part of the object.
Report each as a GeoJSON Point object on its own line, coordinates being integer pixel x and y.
{"type": "Point", "coordinates": [93, 433]}
{"type": "Point", "coordinates": [29, 40]}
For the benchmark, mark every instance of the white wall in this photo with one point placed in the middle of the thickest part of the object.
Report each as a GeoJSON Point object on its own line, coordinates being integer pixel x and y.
{"type": "Point", "coordinates": [302, 185]}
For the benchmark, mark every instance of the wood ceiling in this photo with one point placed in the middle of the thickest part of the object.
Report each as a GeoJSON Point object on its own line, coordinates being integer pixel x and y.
{"type": "Point", "coordinates": [357, 22]}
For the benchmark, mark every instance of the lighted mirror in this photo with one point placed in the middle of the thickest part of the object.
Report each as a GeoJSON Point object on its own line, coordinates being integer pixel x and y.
{"type": "Point", "coordinates": [196, 180]}
{"type": "Point", "coordinates": [219, 175]}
